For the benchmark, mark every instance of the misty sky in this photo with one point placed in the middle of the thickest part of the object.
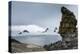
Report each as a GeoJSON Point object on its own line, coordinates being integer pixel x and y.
{"type": "Point", "coordinates": [41, 14]}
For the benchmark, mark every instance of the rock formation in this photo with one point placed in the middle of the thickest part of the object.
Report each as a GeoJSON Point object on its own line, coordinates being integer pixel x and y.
{"type": "Point", "coordinates": [67, 30]}
{"type": "Point", "coordinates": [68, 22]}
{"type": "Point", "coordinates": [26, 31]}
{"type": "Point", "coordinates": [45, 30]}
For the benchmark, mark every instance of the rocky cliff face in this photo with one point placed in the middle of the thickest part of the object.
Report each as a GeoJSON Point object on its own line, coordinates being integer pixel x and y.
{"type": "Point", "coordinates": [68, 22]}
{"type": "Point", "coordinates": [68, 31]}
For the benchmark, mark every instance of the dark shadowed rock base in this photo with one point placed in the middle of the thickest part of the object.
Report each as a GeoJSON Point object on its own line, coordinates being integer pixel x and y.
{"type": "Point", "coordinates": [67, 43]}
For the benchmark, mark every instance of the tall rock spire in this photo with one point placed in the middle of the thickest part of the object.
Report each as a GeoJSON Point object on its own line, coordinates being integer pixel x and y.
{"type": "Point", "coordinates": [68, 22]}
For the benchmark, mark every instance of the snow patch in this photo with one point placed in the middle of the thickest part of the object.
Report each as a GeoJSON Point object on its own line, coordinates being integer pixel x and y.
{"type": "Point", "coordinates": [30, 28]}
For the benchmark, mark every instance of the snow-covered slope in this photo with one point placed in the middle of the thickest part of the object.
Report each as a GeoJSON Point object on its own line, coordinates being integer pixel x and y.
{"type": "Point", "coordinates": [30, 28]}
{"type": "Point", "coordinates": [34, 28]}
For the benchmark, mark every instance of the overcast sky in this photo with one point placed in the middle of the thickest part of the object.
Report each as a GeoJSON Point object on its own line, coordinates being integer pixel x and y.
{"type": "Point", "coordinates": [41, 14]}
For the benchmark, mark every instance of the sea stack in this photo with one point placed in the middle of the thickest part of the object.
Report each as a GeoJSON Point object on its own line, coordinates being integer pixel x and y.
{"type": "Point", "coordinates": [68, 29]}
{"type": "Point", "coordinates": [68, 22]}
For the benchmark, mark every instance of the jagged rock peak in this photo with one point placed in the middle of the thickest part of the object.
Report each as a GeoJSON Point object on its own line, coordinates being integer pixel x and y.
{"type": "Point", "coordinates": [64, 10]}
{"type": "Point", "coordinates": [68, 22]}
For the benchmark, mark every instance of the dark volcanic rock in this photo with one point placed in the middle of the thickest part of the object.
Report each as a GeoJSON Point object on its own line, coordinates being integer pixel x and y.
{"type": "Point", "coordinates": [45, 30]}
{"type": "Point", "coordinates": [20, 32]}
{"type": "Point", "coordinates": [68, 31]}
{"type": "Point", "coordinates": [68, 22]}
{"type": "Point", "coordinates": [26, 31]}
{"type": "Point", "coordinates": [62, 45]}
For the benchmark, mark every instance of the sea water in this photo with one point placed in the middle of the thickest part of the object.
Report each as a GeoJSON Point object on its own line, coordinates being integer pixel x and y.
{"type": "Point", "coordinates": [40, 40]}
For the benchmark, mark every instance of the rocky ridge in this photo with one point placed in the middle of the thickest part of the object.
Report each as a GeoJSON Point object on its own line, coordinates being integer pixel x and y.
{"type": "Point", "coordinates": [67, 30]}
